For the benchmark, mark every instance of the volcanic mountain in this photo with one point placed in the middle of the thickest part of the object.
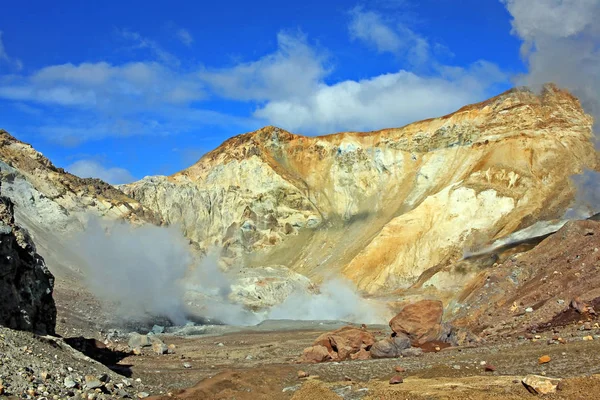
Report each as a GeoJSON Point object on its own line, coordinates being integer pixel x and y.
{"type": "Point", "coordinates": [381, 207]}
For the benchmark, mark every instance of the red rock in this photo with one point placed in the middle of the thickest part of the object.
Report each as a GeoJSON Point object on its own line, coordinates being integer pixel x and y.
{"type": "Point", "coordinates": [344, 342]}
{"type": "Point", "coordinates": [396, 379]}
{"type": "Point", "coordinates": [315, 354]}
{"type": "Point", "coordinates": [400, 369]}
{"type": "Point", "coordinates": [361, 355]}
{"type": "Point", "coordinates": [421, 321]}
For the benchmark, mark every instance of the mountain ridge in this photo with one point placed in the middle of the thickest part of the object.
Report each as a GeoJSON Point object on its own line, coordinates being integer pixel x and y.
{"type": "Point", "coordinates": [270, 197]}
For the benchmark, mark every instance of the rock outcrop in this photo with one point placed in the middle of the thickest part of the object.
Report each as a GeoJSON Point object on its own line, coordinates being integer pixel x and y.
{"type": "Point", "coordinates": [26, 285]}
{"type": "Point", "coordinates": [382, 207]}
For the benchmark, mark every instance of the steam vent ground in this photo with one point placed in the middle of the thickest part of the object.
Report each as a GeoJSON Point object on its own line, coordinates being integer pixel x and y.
{"type": "Point", "coordinates": [163, 255]}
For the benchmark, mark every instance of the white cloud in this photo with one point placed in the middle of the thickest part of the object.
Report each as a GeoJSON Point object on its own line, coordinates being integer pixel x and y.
{"type": "Point", "coordinates": [185, 36]}
{"type": "Point", "coordinates": [387, 36]}
{"type": "Point", "coordinates": [291, 90]}
{"type": "Point", "coordinates": [388, 100]}
{"type": "Point", "coordinates": [293, 70]}
{"type": "Point", "coordinates": [141, 42]}
{"type": "Point", "coordinates": [116, 89]}
{"type": "Point", "coordinates": [5, 58]}
{"type": "Point", "coordinates": [93, 169]}
{"type": "Point", "coordinates": [561, 44]}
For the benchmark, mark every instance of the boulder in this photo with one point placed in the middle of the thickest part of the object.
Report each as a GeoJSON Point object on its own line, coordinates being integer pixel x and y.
{"type": "Point", "coordinates": [361, 355]}
{"type": "Point", "coordinates": [26, 284]}
{"type": "Point", "coordinates": [420, 321]}
{"type": "Point", "coordinates": [344, 342]}
{"type": "Point", "coordinates": [315, 354]}
{"type": "Point", "coordinates": [137, 341]}
{"type": "Point", "coordinates": [391, 347]}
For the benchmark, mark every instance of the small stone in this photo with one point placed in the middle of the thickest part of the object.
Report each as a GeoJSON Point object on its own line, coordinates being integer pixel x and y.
{"type": "Point", "coordinates": [1, 390]}
{"type": "Point", "coordinates": [69, 382]}
{"type": "Point", "coordinates": [91, 382]}
{"type": "Point", "coordinates": [142, 395]}
{"type": "Point", "coordinates": [489, 368]}
{"type": "Point", "coordinates": [187, 365]}
{"type": "Point", "coordinates": [157, 329]}
{"type": "Point", "coordinates": [529, 310]}
{"type": "Point", "coordinates": [587, 338]}
{"type": "Point", "coordinates": [396, 379]}
{"type": "Point", "coordinates": [302, 374]}
{"type": "Point", "coordinates": [171, 348]}
{"type": "Point", "coordinates": [544, 359]}
{"type": "Point", "coordinates": [400, 369]}
{"type": "Point", "coordinates": [456, 366]}
{"type": "Point", "coordinates": [44, 375]}
{"type": "Point", "coordinates": [220, 344]}
{"type": "Point", "coordinates": [537, 384]}
{"type": "Point", "coordinates": [587, 326]}
{"type": "Point", "coordinates": [159, 348]}
{"type": "Point", "coordinates": [560, 301]}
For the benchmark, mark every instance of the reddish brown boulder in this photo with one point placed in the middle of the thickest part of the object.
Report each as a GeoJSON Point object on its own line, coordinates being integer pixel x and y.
{"type": "Point", "coordinates": [344, 342]}
{"type": "Point", "coordinates": [420, 321]}
{"type": "Point", "coordinates": [361, 355]}
{"type": "Point", "coordinates": [315, 354]}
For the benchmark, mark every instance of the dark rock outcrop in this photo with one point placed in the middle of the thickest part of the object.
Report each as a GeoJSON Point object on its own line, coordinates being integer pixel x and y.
{"type": "Point", "coordinates": [26, 284]}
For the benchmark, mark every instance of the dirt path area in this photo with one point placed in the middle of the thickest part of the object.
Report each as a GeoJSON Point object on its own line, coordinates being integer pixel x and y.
{"type": "Point", "coordinates": [262, 365]}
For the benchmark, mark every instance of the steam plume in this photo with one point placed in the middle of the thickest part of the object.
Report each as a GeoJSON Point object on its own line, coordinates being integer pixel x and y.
{"type": "Point", "coordinates": [561, 44]}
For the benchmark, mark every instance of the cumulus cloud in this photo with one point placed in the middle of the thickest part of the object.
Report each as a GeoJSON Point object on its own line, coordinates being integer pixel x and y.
{"type": "Point", "coordinates": [292, 71]}
{"type": "Point", "coordinates": [93, 169]}
{"type": "Point", "coordinates": [387, 100]}
{"type": "Point", "coordinates": [185, 36]}
{"type": "Point", "coordinates": [6, 59]}
{"type": "Point", "coordinates": [561, 44]}
{"type": "Point", "coordinates": [386, 36]}
{"type": "Point", "coordinates": [292, 92]}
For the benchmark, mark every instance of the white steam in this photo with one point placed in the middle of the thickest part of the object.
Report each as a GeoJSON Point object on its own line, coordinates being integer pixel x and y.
{"type": "Point", "coordinates": [561, 44]}
{"type": "Point", "coordinates": [148, 272]}
{"type": "Point", "coordinates": [139, 269]}
{"type": "Point", "coordinates": [337, 300]}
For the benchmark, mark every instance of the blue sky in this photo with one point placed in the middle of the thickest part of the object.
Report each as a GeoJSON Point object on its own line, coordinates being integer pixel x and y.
{"type": "Point", "coordinates": [121, 90]}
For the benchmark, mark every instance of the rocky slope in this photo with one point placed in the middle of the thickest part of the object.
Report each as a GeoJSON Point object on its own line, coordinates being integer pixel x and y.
{"type": "Point", "coordinates": [26, 285]}
{"type": "Point", "coordinates": [51, 197]}
{"type": "Point", "coordinates": [382, 207]}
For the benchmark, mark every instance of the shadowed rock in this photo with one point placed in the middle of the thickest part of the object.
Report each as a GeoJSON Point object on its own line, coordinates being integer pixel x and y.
{"type": "Point", "coordinates": [26, 284]}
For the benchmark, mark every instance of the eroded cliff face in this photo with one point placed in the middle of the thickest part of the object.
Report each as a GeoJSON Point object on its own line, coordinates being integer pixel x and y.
{"type": "Point", "coordinates": [381, 207]}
